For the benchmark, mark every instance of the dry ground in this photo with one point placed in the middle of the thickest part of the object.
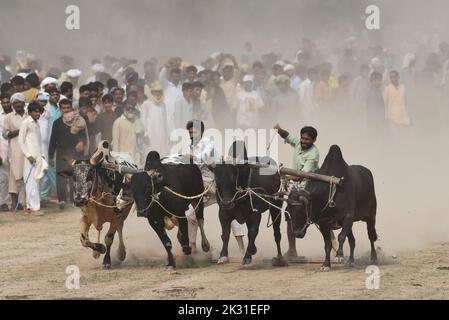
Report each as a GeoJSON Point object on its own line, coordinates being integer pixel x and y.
{"type": "Point", "coordinates": [35, 251]}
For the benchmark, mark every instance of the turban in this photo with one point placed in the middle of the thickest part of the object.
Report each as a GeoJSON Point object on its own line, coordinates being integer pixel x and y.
{"type": "Point", "coordinates": [18, 96]}
{"type": "Point", "coordinates": [74, 73]}
{"type": "Point", "coordinates": [47, 81]}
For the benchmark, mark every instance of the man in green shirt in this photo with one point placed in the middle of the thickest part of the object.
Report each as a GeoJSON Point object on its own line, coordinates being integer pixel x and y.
{"type": "Point", "coordinates": [305, 158]}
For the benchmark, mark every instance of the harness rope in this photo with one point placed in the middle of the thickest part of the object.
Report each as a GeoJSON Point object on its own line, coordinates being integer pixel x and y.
{"type": "Point", "coordinates": [155, 198]}
{"type": "Point", "coordinates": [92, 197]}
{"type": "Point", "coordinates": [330, 201]}
{"type": "Point", "coordinates": [190, 197]}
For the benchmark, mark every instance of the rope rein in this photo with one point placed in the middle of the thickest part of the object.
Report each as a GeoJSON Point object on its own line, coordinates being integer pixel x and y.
{"type": "Point", "coordinates": [330, 201]}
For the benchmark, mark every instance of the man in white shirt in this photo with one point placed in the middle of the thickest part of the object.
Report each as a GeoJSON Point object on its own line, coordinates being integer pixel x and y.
{"type": "Point", "coordinates": [307, 92]}
{"type": "Point", "coordinates": [153, 117]}
{"type": "Point", "coordinates": [249, 102]}
{"type": "Point", "coordinates": [30, 143]}
{"type": "Point", "coordinates": [48, 181]}
{"type": "Point", "coordinates": [202, 153]}
{"type": "Point", "coordinates": [184, 106]}
{"type": "Point", "coordinates": [11, 128]}
{"type": "Point", "coordinates": [172, 92]}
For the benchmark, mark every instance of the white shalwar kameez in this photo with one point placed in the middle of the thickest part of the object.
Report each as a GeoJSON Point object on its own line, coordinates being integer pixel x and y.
{"type": "Point", "coordinates": [153, 118]}
{"type": "Point", "coordinates": [30, 143]}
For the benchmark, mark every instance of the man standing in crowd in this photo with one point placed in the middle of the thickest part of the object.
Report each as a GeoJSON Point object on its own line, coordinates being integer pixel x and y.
{"type": "Point", "coordinates": [106, 119]}
{"type": "Point", "coordinates": [48, 181]}
{"type": "Point", "coordinates": [126, 131]}
{"type": "Point", "coordinates": [153, 117]}
{"type": "Point", "coordinates": [32, 82]}
{"type": "Point", "coordinates": [249, 104]}
{"type": "Point", "coordinates": [375, 106]}
{"type": "Point", "coordinates": [4, 158]}
{"type": "Point", "coordinates": [184, 106]}
{"type": "Point", "coordinates": [172, 91]}
{"type": "Point", "coordinates": [12, 124]}
{"type": "Point", "coordinates": [34, 162]}
{"type": "Point", "coordinates": [68, 138]}
{"type": "Point", "coordinates": [394, 98]}
{"type": "Point", "coordinates": [307, 93]}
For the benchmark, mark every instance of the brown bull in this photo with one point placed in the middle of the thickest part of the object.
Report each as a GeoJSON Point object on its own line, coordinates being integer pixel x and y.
{"type": "Point", "coordinates": [102, 196]}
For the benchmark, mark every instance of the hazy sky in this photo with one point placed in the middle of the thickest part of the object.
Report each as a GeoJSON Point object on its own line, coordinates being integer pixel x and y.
{"type": "Point", "coordinates": [195, 28]}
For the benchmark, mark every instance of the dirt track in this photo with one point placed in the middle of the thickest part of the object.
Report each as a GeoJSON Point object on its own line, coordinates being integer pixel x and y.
{"type": "Point", "coordinates": [35, 251]}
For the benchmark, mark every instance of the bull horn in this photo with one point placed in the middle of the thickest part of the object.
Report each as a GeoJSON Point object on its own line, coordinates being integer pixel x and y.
{"type": "Point", "coordinates": [96, 157]}
{"type": "Point", "coordinates": [70, 161]}
{"type": "Point", "coordinates": [154, 174]}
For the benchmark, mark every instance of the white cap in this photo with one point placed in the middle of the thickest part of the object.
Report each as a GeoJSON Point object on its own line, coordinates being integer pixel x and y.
{"type": "Point", "coordinates": [74, 73]}
{"type": "Point", "coordinates": [376, 62]}
{"type": "Point", "coordinates": [279, 63]}
{"type": "Point", "coordinates": [282, 77]}
{"type": "Point", "coordinates": [215, 55]}
{"type": "Point", "coordinates": [18, 96]}
{"type": "Point", "coordinates": [22, 74]}
{"type": "Point", "coordinates": [288, 67]}
{"type": "Point", "coordinates": [228, 62]}
{"type": "Point", "coordinates": [48, 80]}
{"type": "Point", "coordinates": [248, 78]}
{"type": "Point", "coordinates": [44, 96]}
{"type": "Point", "coordinates": [199, 68]}
{"type": "Point", "coordinates": [98, 67]}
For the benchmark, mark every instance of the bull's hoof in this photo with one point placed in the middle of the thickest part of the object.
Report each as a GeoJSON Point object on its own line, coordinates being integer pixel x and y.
{"type": "Point", "coordinates": [106, 266]}
{"type": "Point", "coordinates": [96, 254]}
{"type": "Point", "coordinates": [187, 250]}
{"type": "Point", "coordinates": [325, 269]}
{"type": "Point", "coordinates": [246, 261]}
{"type": "Point", "coordinates": [292, 256]}
{"type": "Point", "coordinates": [374, 261]}
{"type": "Point", "coordinates": [142, 214]}
{"type": "Point", "coordinates": [100, 248]}
{"type": "Point", "coordinates": [350, 264]}
{"type": "Point", "coordinates": [339, 259]}
{"type": "Point", "coordinates": [171, 270]}
{"type": "Point", "coordinates": [279, 262]}
{"type": "Point", "coordinates": [223, 260]}
{"type": "Point", "coordinates": [122, 255]}
{"type": "Point", "coordinates": [205, 245]}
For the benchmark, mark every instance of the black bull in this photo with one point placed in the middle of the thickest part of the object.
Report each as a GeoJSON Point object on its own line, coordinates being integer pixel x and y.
{"type": "Point", "coordinates": [354, 201]}
{"type": "Point", "coordinates": [232, 179]}
{"type": "Point", "coordinates": [184, 179]}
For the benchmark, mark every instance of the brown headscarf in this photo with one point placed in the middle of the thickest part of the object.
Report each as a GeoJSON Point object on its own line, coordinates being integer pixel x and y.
{"type": "Point", "coordinates": [76, 123]}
